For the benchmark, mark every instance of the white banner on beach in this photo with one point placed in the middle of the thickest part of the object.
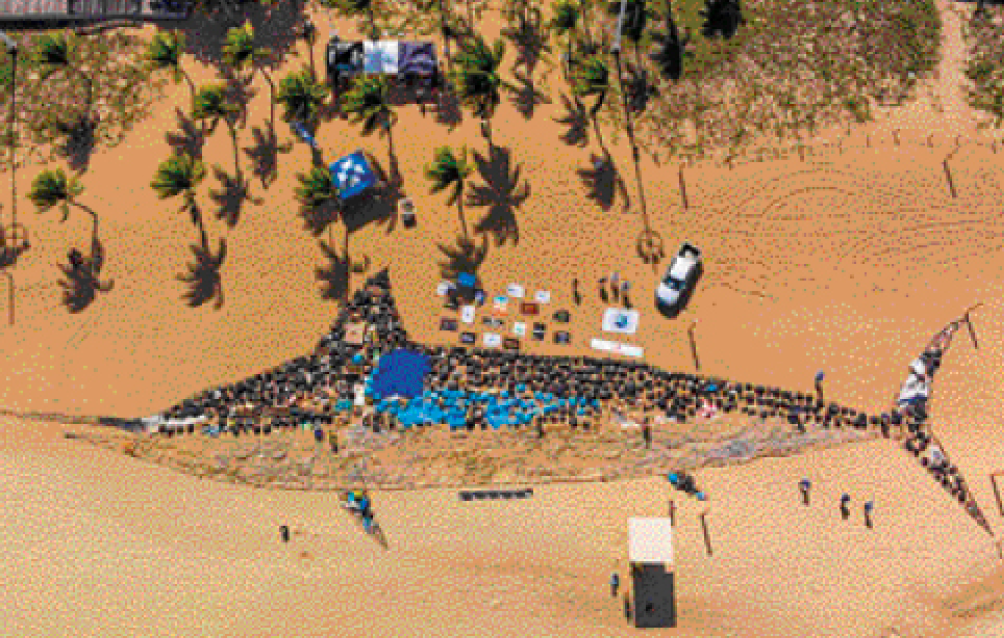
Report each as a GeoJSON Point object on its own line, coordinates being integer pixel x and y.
{"type": "Point", "coordinates": [492, 340]}
{"type": "Point", "coordinates": [515, 290]}
{"type": "Point", "coordinates": [467, 314]}
{"type": "Point", "coordinates": [620, 321]}
{"type": "Point", "coordinates": [617, 348]}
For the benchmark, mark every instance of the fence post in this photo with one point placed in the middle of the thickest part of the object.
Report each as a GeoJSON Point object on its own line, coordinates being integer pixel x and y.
{"type": "Point", "coordinates": [683, 189]}
{"type": "Point", "coordinates": [948, 175]}
{"type": "Point", "coordinates": [895, 136]}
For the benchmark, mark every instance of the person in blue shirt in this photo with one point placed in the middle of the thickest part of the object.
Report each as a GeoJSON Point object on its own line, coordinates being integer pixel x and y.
{"type": "Point", "coordinates": [615, 583]}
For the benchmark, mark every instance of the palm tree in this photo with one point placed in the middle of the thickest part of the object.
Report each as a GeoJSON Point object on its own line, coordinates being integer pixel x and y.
{"type": "Point", "coordinates": [317, 194]}
{"type": "Point", "coordinates": [164, 53]}
{"type": "Point", "coordinates": [301, 96]}
{"type": "Point", "coordinates": [241, 54]}
{"type": "Point", "coordinates": [213, 105]}
{"type": "Point", "coordinates": [54, 54]}
{"type": "Point", "coordinates": [352, 8]}
{"type": "Point", "coordinates": [366, 102]}
{"type": "Point", "coordinates": [478, 79]}
{"type": "Point", "coordinates": [636, 17]}
{"type": "Point", "coordinates": [53, 187]}
{"type": "Point", "coordinates": [316, 188]}
{"type": "Point", "coordinates": [564, 20]}
{"type": "Point", "coordinates": [450, 170]}
{"type": "Point", "coordinates": [593, 80]}
{"type": "Point", "coordinates": [180, 175]}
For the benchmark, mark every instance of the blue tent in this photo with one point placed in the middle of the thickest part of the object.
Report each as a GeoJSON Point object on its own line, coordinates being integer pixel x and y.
{"type": "Point", "coordinates": [402, 372]}
{"type": "Point", "coordinates": [352, 175]}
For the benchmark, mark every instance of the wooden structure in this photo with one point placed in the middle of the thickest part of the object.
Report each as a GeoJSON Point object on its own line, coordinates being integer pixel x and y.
{"type": "Point", "coordinates": [650, 552]}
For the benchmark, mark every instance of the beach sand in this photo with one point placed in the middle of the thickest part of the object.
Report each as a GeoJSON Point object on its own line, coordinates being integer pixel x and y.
{"type": "Point", "coordinates": [847, 262]}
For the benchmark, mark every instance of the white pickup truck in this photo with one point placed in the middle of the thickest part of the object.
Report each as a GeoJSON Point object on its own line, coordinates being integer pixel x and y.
{"type": "Point", "coordinates": [680, 277]}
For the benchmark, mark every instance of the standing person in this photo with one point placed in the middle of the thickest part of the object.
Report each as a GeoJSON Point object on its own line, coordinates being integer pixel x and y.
{"type": "Point", "coordinates": [845, 501]}
{"type": "Point", "coordinates": [869, 507]}
{"type": "Point", "coordinates": [646, 432]}
{"type": "Point", "coordinates": [819, 385]}
{"type": "Point", "coordinates": [627, 608]}
{"type": "Point", "coordinates": [333, 441]}
{"type": "Point", "coordinates": [603, 289]}
{"type": "Point", "coordinates": [284, 533]}
{"type": "Point", "coordinates": [804, 486]}
{"type": "Point", "coordinates": [615, 583]}
{"type": "Point", "coordinates": [576, 296]}
{"type": "Point", "coordinates": [615, 288]}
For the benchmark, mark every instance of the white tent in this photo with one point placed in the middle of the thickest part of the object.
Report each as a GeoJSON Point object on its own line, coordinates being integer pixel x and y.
{"type": "Point", "coordinates": [380, 57]}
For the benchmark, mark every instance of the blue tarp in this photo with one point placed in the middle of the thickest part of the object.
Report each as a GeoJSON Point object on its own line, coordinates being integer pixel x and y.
{"type": "Point", "coordinates": [352, 175]}
{"type": "Point", "coordinates": [402, 372]}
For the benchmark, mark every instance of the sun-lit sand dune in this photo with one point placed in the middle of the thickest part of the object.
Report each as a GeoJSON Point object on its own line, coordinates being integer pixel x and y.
{"type": "Point", "coordinates": [846, 262]}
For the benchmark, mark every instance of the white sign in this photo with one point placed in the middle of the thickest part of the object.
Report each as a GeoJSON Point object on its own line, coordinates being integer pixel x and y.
{"type": "Point", "coordinates": [620, 321]}
{"type": "Point", "coordinates": [519, 329]}
{"type": "Point", "coordinates": [492, 340]}
{"type": "Point", "coordinates": [515, 290]}
{"type": "Point", "coordinates": [543, 296]}
{"type": "Point", "coordinates": [467, 314]}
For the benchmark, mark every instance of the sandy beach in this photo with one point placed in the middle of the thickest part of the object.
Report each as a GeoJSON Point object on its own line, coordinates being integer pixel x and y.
{"type": "Point", "coordinates": [846, 261]}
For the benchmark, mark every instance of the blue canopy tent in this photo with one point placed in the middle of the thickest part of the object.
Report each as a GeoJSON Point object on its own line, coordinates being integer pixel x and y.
{"type": "Point", "coordinates": [401, 373]}
{"type": "Point", "coordinates": [352, 175]}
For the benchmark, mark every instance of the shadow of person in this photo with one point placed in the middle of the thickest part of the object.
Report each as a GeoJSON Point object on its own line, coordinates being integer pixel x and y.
{"type": "Point", "coordinates": [576, 118]}
{"type": "Point", "coordinates": [502, 193]}
{"type": "Point", "coordinates": [466, 257]}
{"type": "Point", "coordinates": [526, 97]}
{"type": "Point", "coordinates": [231, 197]}
{"type": "Point", "coordinates": [264, 154]}
{"type": "Point", "coordinates": [82, 281]}
{"type": "Point", "coordinates": [603, 182]}
{"type": "Point", "coordinates": [189, 137]}
{"type": "Point", "coordinates": [334, 277]}
{"type": "Point", "coordinates": [203, 276]}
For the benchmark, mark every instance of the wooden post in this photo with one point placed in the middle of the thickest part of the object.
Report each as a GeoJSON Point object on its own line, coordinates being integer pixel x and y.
{"type": "Point", "coordinates": [683, 189]}
{"type": "Point", "coordinates": [693, 345]}
{"type": "Point", "coordinates": [895, 137]}
{"type": "Point", "coordinates": [997, 494]}
{"type": "Point", "coordinates": [972, 332]}
{"type": "Point", "coordinates": [801, 152]}
{"type": "Point", "coordinates": [868, 140]}
{"type": "Point", "coordinates": [948, 176]}
{"type": "Point", "coordinates": [930, 141]}
{"type": "Point", "coordinates": [707, 537]}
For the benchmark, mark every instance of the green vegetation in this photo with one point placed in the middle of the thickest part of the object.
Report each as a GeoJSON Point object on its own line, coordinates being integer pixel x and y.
{"type": "Point", "coordinates": [985, 69]}
{"type": "Point", "coordinates": [450, 170]}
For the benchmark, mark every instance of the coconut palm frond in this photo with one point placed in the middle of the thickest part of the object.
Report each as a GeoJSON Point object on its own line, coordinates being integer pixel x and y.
{"type": "Point", "coordinates": [50, 188]}
{"type": "Point", "coordinates": [212, 103]}
{"type": "Point", "coordinates": [316, 188]}
{"type": "Point", "coordinates": [367, 102]}
{"type": "Point", "coordinates": [449, 170]}
{"type": "Point", "coordinates": [301, 96]}
{"type": "Point", "coordinates": [176, 175]}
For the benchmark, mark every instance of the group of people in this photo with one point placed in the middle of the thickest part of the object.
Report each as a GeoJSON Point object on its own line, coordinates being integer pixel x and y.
{"type": "Point", "coordinates": [913, 406]}
{"type": "Point", "coordinates": [358, 502]}
{"type": "Point", "coordinates": [319, 388]}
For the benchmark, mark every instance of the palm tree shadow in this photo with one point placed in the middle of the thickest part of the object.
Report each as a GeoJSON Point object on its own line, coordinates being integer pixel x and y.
{"type": "Point", "coordinates": [78, 140]}
{"type": "Point", "coordinates": [317, 220]}
{"type": "Point", "coordinates": [526, 96]}
{"type": "Point", "coordinates": [231, 197]}
{"type": "Point", "coordinates": [265, 154]}
{"type": "Point", "coordinates": [502, 193]}
{"type": "Point", "coordinates": [82, 278]}
{"type": "Point", "coordinates": [335, 277]}
{"type": "Point", "coordinates": [466, 257]}
{"type": "Point", "coordinates": [189, 137]}
{"type": "Point", "coordinates": [240, 91]}
{"type": "Point", "coordinates": [576, 118]}
{"type": "Point", "coordinates": [275, 25]}
{"type": "Point", "coordinates": [603, 181]}
{"type": "Point", "coordinates": [531, 45]}
{"type": "Point", "coordinates": [448, 109]}
{"type": "Point", "coordinates": [378, 205]}
{"type": "Point", "coordinates": [203, 276]}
